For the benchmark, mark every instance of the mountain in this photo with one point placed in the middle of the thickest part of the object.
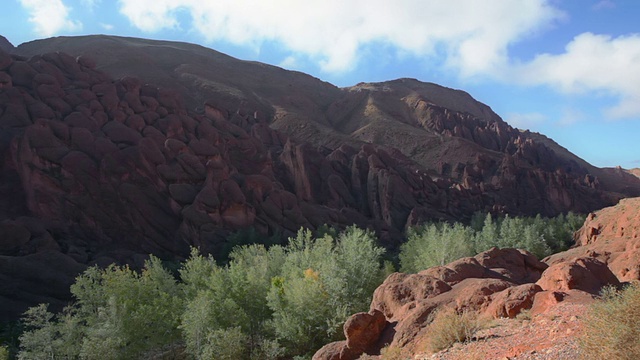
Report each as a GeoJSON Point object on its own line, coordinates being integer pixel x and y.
{"type": "Point", "coordinates": [5, 45]}
{"type": "Point", "coordinates": [112, 148]}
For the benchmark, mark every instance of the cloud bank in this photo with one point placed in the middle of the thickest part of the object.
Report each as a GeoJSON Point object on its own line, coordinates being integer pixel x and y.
{"type": "Point", "coordinates": [49, 17]}
{"type": "Point", "coordinates": [473, 37]}
{"type": "Point", "coordinates": [592, 63]}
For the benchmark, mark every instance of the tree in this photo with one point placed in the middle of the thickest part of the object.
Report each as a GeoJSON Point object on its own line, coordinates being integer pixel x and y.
{"type": "Point", "coordinates": [323, 281]}
{"type": "Point", "coordinates": [37, 342]}
{"type": "Point", "coordinates": [435, 244]}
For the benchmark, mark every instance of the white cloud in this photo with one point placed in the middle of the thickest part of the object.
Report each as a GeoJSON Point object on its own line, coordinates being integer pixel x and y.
{"type": "Point", "coordinates": [290, 62]}
{"type": "Point", "coordinates": [592, 63]}
{"type": "Point", "coordinates": [472, 35]}
{"type": "Point", "coordinates": [50, 17]}
{"type": "Point", "coordinates": [106, 26]}
{"type": "Point", "coordinates": [525, 120]}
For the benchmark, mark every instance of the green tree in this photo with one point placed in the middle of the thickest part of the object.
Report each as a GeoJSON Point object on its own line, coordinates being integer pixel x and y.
{"type": "Point", "coordinates": [118, 314]}
{"type": "Point", "coordinates": [323, 281]}
{"type": "Point", "coordinates": [38, 341]}
{"type": "Point", "coordinates": [435, 244]}
{"type": "Point", "coordinates": [487, 235]}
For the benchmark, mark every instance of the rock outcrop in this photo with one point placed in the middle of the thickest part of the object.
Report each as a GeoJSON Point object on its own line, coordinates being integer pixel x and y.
{"type": "Point", "coordinates": [503, 282]}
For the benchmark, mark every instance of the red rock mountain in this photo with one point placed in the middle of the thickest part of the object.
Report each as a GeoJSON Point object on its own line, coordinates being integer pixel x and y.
{"type": "Point", "coordinates": [112, 148]}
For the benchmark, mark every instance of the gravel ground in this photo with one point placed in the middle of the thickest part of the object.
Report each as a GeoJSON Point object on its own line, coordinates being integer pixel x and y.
{"type": "Point", "coordinates": [546, 336]}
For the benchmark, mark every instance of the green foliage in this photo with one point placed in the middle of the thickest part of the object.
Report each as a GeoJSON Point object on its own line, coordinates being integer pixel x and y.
{"type": "Point", "coordinates": [4, 353]}
{"type": "Point", "coordinates": [10, 333]}
{"type": "Point", "coordinates": [226, 344]}
{"type": "Point", "coordinates": [128, 313]}
{"type": "Point", "coordinates": [284, 300]}
{"type": "Point", "coordinates": [262, 302]}
{"type": "Point", "coordinates": [244, 237]}
{"type": "Point", "coordinates": [323, 281]}
{"type": "Point", "coordinates": [39, 341]}
{"type": "Point", "coordinates": [437, 244]}
{"type": "Point", "coordinates": [118, 314]}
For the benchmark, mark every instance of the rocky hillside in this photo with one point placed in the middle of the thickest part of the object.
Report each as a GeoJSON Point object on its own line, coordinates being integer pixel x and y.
{"type": "Point", "coordinates": [501, 284]}
{"type": "Point", "coordinates": [112, 148]}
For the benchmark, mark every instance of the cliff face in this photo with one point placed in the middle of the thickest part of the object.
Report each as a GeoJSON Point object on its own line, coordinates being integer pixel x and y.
{"type": "Point", "coordinates": [130, 146]}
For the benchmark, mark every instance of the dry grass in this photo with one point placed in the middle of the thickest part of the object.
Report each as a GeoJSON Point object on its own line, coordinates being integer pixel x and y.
{"type": "Point", "coordinates": [387, 353]}
{"type": "Point", "coordinates": [524, 315]}
{"type": "Point", "coordinates": [450, 327]}
{"type": "Point", "coordinates": [612, 327]}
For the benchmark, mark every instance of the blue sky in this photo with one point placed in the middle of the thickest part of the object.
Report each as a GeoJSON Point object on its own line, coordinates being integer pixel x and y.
{"type": "Point", "coordinates": [569, 69]}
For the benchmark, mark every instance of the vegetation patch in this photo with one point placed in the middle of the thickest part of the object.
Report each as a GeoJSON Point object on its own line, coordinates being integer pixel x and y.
{"type": "Point", "coordinates": [436, 244]}
{"type": "Point", "coordinates": [449, 327]}
{"type": "Point", "coordinates": [612, 326]}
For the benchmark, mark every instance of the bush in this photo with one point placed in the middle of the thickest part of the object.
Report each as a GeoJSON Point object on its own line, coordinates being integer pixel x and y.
{"type": "Point", "coordinates": [612, 326]}
{"type": "Point", "coordinates": [449, 327]}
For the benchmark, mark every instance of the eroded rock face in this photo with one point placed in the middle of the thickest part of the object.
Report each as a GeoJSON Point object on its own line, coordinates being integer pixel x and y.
{"type": "Point", "coordinates": [617, 222]}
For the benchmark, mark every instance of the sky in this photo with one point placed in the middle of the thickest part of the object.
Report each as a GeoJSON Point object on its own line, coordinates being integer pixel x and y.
{"type": "Point", "coordinates": [569, 69]}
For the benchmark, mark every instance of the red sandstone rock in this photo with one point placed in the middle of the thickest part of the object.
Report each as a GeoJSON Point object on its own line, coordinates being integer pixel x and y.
{"type": "Point", "coordinates": [510, 302]}
{"type": "Point", "coordinates": [586, 274]}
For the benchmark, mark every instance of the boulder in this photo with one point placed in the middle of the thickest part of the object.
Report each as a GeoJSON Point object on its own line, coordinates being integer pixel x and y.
{"type": "Point", "coordinates": [586, 274]}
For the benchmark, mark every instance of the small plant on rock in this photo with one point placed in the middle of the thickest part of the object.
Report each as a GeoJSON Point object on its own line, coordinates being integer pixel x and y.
{"type": "Point", "coordinates": [450, 327]}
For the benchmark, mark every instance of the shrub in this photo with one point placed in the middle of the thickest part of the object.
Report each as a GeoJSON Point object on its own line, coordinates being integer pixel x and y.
{"type": "Point", "coordinates": [612, 326]}
{"type": "Point", "coordinates": [449, 327]}
{"type": "Point", "coordinates": [4, 353]}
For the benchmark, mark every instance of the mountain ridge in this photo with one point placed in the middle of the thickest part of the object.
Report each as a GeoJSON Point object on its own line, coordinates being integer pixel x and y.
{"type": "Point", "coordinates": [113, 148]}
